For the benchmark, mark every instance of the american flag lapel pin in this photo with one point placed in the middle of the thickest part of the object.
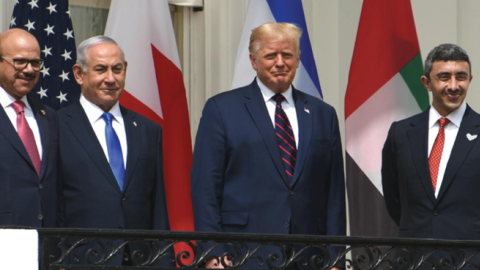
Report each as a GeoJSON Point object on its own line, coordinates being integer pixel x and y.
{"type": "Point", "coordinates": [306, 110]}
{"type": "Point", "coordinates": [43, 112]}
{"type": "Point", "coordinates": [134, 123]}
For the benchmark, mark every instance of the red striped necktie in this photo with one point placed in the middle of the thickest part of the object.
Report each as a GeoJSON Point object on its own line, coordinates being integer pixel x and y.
{"type": "Point", "coordinates": [285, 137]}
{"type": "Point", "coordinates": [26, 135]}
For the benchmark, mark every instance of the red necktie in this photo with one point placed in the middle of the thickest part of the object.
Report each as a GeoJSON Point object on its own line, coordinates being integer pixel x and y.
{"type": "Point", "coordinates": [26, 135]}
{"type": "Point", "coordinates": [285, 138]}
{"type": "Point", "coordinates": [437, 149]}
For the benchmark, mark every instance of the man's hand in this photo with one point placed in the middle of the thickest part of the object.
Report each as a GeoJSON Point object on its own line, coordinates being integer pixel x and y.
{"type": "Point", "coordinates": [217, 263]}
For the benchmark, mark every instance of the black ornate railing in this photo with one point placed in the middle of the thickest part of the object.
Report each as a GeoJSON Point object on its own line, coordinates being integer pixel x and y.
{"type": "Point", "coordinates": [106, 249]}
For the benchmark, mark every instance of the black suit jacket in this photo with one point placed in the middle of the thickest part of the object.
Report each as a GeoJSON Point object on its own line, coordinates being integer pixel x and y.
{"type": "Point", "coordinates": [25, 199]}
{"type": "Point", "coordinates": [91, 195]}
{"type": "Point", "coordinates": [407, 186]}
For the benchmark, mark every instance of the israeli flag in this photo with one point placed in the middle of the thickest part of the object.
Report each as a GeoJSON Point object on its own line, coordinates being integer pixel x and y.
{"type": "Point", "coordinates": [264, 11]}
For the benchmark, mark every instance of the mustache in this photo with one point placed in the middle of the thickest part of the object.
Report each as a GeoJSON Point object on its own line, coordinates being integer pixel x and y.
{"type": "Point", "coordinates": [26, 76]}
{"type": "Point", "coordinates": [453, 91]}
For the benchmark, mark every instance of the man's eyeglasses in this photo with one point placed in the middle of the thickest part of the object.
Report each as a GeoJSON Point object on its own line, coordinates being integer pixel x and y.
{"type": "Point", "coordinates": [21, 64]}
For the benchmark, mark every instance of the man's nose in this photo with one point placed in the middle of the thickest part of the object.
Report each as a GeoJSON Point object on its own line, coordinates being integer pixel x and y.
{"type": "Point", "coordinates": [279, 61]}
{"type": "Point", "coordinates": [28, 68]}
{"type": "Point", "coordinates": [109, 78]}
{"type": "Point", "coordinates": [453, 84]}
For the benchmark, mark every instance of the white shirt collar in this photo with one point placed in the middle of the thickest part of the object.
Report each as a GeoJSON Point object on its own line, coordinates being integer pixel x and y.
{"type": "Point", "coordinates": [455, 117]}
{"type": "Point", "coordinates": [268, 94]}
{"type": "Point", "coordinates": [94, 113]}
{"type": "Point", "coordinates": [6, 99]}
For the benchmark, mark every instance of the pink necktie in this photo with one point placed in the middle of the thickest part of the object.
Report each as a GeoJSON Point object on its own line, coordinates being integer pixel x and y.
{"type": "Point", "coordinates": [437, 149]}
{"type": "Point", "coordinates": [26, 135]}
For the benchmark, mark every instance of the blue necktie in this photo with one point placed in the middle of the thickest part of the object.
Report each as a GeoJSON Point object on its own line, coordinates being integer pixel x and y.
{"type": "Point", "coordinates": [285, 138]}
{"type": "Point", "coordinates": [115, 155]}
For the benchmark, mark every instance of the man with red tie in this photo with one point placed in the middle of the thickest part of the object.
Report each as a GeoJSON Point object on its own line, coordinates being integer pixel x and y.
{"type": "Point", "coordinates": [28, 137]}
{"type": "Point", "coordinates": [430, 167]}
{"type": "Point", "coordinates": [267, 157]}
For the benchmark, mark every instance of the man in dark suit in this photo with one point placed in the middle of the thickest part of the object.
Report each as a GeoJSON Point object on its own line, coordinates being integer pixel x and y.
{"type": "Point", "coordinates": [265, 163]}
{"type": "Point", "coordinates": [28, 137]}
{"type": "Point", "coordinates": [430, 166]}
{"type": "Point", "coordinates": [111, 159]}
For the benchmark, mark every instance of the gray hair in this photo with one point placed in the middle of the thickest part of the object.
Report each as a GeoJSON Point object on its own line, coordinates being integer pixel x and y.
{"type": "Point", "coordinates": [83, 48]}
{"type": "Point", "coordinates": [446, 52]}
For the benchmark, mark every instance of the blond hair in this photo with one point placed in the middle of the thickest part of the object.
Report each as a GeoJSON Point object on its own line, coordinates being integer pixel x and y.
{"type": "Point", "coordinates": [276, 32]}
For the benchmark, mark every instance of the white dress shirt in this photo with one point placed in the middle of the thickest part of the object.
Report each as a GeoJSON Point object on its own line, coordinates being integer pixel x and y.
{"type": "Point", "coordinates": [288, 106]}
{"type": "Point", "coordinates": [94, 114]}
{"type": "Point", "coordinates": [451, 131]}
{"type": "Point", "coordinates": [6, 101]}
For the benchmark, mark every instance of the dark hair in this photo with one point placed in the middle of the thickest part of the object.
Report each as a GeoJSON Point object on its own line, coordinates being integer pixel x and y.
{"type": "Point", "coordinates": [446, 52]}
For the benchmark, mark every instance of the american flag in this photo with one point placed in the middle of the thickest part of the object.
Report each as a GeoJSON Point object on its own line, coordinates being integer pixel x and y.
{"type": "Point", "coordinates": [49, 21]}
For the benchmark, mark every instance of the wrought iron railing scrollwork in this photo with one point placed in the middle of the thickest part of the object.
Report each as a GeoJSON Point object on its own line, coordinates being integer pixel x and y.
{"type": "Point", "coordinates": [104, 249]}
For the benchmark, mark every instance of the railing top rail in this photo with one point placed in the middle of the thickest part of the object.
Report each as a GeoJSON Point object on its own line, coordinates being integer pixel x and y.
{"type": "Point", "coordinates": [248, 237]}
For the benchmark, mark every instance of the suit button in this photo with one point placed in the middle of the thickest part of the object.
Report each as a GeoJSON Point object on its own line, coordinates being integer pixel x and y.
{"type": "Point", "coordinates": [40, 217]}
{"type": "Point", "coordinates": [124, 198]}
{"type": "Point", "coordinates": [286, 224]}
{"type": "Point", "coordinates": [40, 186]}
{"type": "Point", "coordinates": [291, 192]}
{"type": "Point", "coordinates": [435, 213]}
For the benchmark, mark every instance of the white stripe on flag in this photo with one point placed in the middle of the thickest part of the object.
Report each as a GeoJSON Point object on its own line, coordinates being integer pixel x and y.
{"type": "Point", "coordinates": [258, 13]}
{"type": "Point", "coordinates": [138, 50]}
{"type": "Point", "coordinates": [368, 126]}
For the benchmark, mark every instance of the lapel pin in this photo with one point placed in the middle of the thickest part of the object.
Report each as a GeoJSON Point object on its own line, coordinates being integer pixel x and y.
{"type": "Point", "coordinates": [43, 112]}
{"type": "Point", "coordinates": [471, 137]}
{"type": "Point", "coordinates": [134, 123]}
{"type": "Point", "coordinates": [306, 110]}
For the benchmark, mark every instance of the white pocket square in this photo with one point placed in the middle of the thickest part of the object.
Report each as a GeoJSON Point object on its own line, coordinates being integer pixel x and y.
{"type": "Point", "coordinates": [471, 137]}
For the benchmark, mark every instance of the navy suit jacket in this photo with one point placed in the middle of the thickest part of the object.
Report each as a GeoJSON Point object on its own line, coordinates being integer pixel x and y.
{"type": "Point", "coordinates": [407, 186]}
{"type": "Point", "coordinates": [91, 195]}
{"type": "Point", "coordinates": [239, 182]}
{"type": "Point", "coordinates": [26, 199]}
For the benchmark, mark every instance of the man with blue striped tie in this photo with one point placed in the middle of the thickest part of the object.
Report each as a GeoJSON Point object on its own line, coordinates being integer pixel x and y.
{"type": "Point", "coordinates": [267, 157]}
{"type": "Point", "coordinates": [111, 160]}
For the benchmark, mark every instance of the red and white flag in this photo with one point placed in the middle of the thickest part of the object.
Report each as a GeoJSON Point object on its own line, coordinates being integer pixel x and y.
{"type": "Point", "coordinates": [154, 88]}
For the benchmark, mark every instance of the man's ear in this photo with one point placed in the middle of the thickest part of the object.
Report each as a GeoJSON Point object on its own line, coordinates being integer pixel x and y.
{"type": "Point", "coordinates": [252, 60]}
{"type": "Point", "coordinates": [78, 73]}
{"type": "Point", "coordinates": [426, 82]}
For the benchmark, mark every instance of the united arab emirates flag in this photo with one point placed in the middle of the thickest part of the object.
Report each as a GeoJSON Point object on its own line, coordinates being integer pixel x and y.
{"type": "Point", "coordinates": [383, 86]}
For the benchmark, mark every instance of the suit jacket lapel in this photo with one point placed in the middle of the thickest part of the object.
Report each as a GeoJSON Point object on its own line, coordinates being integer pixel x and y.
{"type": "Point", "coordinates": [304, 133]}
{"type": "Point", "coordinates": [83, 131]}
{"type": "Point", "coordinates": [11, 135]}
{"type": "Point", "coordinates": [42, 122]}
{"type": "Point", "coordinates": [258, 111]}
{"type": "Point", "coordinates": [461, 148]}
{"type": "Point", "coordinates": [133, 141]}
{"type": "Point", "coordinates": [418, 138]}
